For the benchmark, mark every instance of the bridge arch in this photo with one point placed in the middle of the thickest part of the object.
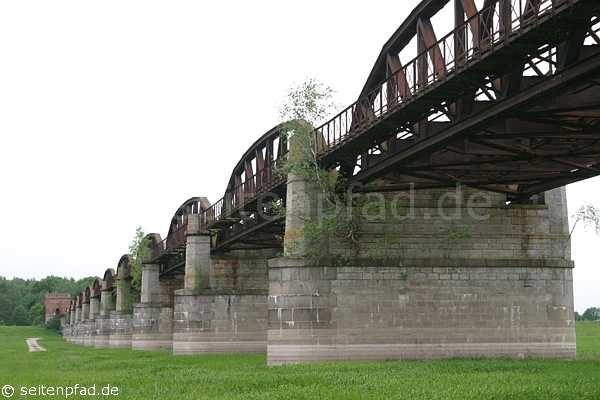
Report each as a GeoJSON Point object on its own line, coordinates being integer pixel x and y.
{"type": "Point", "coordinates": [124, 267]}
{"type": "Point", "coordinates": [108, 279]}
{"type": "Point", "coordinates": [254, 174]}
{"type": "Point", "coordinates": [255, 171]}
{"type": "Point", "coordinates": [125, 296]}
{"type": "Point", "coordinates": [96, 288]}
{"type": "Point", "coordinates": [169, 253]}
{"type": "Point", "coordinates": [178, 226]}
{"type": "Point", "coordinates": [413, 124]}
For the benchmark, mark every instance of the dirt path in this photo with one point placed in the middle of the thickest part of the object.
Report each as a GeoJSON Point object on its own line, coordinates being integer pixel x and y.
{"type": "Point", "coordinates": [33, 345]}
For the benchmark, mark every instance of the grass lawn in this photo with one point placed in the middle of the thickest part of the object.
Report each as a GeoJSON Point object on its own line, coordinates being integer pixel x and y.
{"type": "Point", "coordinates": [141, 375]}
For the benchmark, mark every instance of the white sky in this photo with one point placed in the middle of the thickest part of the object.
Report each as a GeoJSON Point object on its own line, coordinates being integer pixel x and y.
{"type": "Point", "coordinates": [113, 113]}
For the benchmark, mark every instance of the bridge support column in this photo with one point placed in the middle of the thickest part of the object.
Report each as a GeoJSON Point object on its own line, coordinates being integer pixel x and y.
{"type": "Point", "coordinates": [459, 275]}
{"type": "Point", "coordinates": [121, 318]}
{"type": "Point", "coordinates": [230, 315]}
{"type": "Point", "coordinates": [85, 323]}
{"type": "Point", "coordinates": [77, 338]}
{"type": "Point", "coordinates": [303, 203]}
{"type": "Point", "coordinates": [197, 259]}
{"type": "Point", "coordinates": [94, 311]}
{"type": "Point", "coordinates": [72, 322]}
{"type": "Point", "coordinates": [120, 330]}
{"type": "Point", "coordinates": [103, 323]}
{"type": "Point", "coordinates": [151, 318]}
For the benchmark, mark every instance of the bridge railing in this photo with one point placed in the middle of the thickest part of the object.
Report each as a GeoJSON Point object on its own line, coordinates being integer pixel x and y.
{"type": "Point", "coordinates": [237, 198]}
{"type": "Point", "coordinates": [447, 56]}
{"type": "Point", "coordinates": [174, 240]}
{"type": "Point", "coordinates": [177, 238]}
{"type": "Point", "coordinates": [158, 248]}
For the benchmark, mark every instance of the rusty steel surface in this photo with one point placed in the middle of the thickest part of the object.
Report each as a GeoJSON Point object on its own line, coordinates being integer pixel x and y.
{"type": "Point", "coordinates": [169, 252]}
{"type": "Point", "coordinates": [452, 54]}
{"type": "Point", "coordinates": [510, 59]}
{"type": "Point", "coordinates": [241, 209]}
{"type": "Point", "coordinates": [506, 101]}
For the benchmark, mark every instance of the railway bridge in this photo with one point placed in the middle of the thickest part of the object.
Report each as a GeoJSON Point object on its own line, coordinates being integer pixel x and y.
{"type": "Point", "coordinates": [465, 141]}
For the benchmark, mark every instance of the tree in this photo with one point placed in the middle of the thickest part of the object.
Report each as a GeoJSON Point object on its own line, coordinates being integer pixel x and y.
{"type": "Point", "coordinates": [54, 323]}
{"type": "Point", "coordinates": [589, 215]}
{"type": "Point", "coordinates": [138, 250]}
{"type": "Point", "coordinates": [591, 314]}
{"type": "Point", "coordinates": [307, 105]}
{"type": "Point", "coordinates": [36, 314]}
{"type": "Point", "coordinates": [20, 316]}
{"type": "Point", "coordinates": [80, 285]}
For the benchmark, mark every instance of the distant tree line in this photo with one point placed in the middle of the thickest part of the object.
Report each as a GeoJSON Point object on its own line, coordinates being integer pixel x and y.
{"type": "Point", "coordinates": [22, 301]}
{"type": "Point", "coordinates": [591, 314]}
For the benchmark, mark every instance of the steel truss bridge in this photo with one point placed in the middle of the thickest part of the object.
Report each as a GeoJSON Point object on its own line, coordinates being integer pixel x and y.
{"type": "Point", "coordinates": [508, 101]}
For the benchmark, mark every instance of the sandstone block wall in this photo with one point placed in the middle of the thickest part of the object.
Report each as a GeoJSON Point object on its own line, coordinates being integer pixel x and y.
{"type": "Point", "coordinates": [120, 330]}
{"type": "Point", "coordinates": [103, 326]}
{"type": "Point", "coordinates": [230, 316]}
{"type": "Point", "coordinates": [220, 323]}
{"type": "Point", "coordinates": [369, 309]}
{"type": "Point", "coordinates": [152, 323]}
{"type": "Point", "coordinates": [467, 223]}
{"type": "Point", "coordinates": [432, 274]}
{"type": "Point", "coordinates": [152, 327]}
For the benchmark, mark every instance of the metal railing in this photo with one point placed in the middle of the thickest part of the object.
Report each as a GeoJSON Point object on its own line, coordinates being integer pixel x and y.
{"type": "Point", "coordinates": [236, 199]}
{"type": "Point", "coordinates": [453, 52]}
{"type": "Point", "coordinates": [175, 240]}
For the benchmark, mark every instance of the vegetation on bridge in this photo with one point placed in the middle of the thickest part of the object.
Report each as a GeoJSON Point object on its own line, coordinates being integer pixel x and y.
{"type": "Point", "coordinates": [307, 105]}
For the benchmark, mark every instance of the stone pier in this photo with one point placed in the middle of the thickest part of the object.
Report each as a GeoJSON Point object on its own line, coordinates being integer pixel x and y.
{"type": "Point", "coordinates": [223, 307]}
{"type": "Point", "coordinates": [86, 325]}
{"type": "Point", "coordinates": [153, 316]}
{"type": "Point", "coordinates": [435, 274]}
{"type": "Point", "coordinates": [68, 330]}
{"type": "Point", "coordinates": [121, 318]}
{"type": "Point", "coordinates": [107, 305]}
{"type": "Point", "coordinates": [77, 332]}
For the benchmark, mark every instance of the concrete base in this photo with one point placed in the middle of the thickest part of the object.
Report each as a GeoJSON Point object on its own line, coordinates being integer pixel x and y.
{"type": "Point", "coordinates": [282, 354]}
{"type": "Point", "coordinates": [66, 333]}
{"type": "Point", "coordinates": [101, 340]}
{"type": "Point", "coordinates": [419, 309]}
{"type": "Point", "coordinates": [77, 337]}
{"type": "Point", "coordinates": [213, 322]}
{"type": "Point", "coordinates": [120, 330]}
{"type": "Point", "coordinates": [152, 327]}
{"type": "Point", "coordinates": [89, 333]}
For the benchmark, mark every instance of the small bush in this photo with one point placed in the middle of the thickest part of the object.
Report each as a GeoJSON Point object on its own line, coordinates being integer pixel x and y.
{"type": "Point", "coordinates": [54, 323]}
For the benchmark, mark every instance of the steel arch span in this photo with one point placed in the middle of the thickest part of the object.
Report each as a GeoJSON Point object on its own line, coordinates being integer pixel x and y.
{"type": "Point", "coordinates": [507, 101]}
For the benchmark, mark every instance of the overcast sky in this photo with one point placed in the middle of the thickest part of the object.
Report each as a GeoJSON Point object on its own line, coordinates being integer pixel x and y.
{"type": "Point", "coordinates": [112, 113]}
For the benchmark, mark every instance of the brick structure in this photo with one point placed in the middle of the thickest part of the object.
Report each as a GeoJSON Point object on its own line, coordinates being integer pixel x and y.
{"type": "Point", "coordinates": [56, 304]}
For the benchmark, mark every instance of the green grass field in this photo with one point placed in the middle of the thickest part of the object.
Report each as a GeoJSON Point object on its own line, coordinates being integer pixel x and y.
{"type": "Point", "coordinates": [141, 375]}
